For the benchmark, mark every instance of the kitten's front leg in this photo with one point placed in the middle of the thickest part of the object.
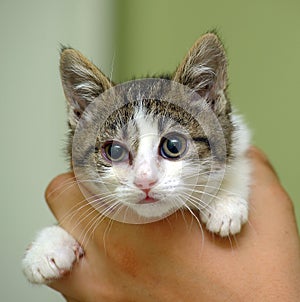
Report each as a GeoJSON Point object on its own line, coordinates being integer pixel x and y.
{"type": "Point", "coordinates": [51, 255]}
{"type": "Point", "coordinates": [225, 215]}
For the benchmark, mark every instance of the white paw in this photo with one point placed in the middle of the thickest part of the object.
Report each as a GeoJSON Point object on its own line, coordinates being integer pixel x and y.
{"type": "Point", "coordinates": [51, 255]}
{"type": "Point", "coordinates": [225, 216]}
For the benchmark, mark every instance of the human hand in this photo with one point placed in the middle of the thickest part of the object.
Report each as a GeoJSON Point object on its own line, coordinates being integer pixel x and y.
{"type": "Point", "coordinates": [172, 260]}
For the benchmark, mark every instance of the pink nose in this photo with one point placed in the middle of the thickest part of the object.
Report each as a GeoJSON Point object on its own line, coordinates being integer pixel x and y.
{"type": "Point", "coordinates": [146, 175]}
{"type": "Point", "coordinates": [145, 184]}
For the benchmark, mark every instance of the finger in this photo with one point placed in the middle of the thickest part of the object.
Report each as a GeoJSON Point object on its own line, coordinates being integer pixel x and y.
{"type": "Point", "coordinates": [86, 281]}
{"type": "Point", "coordinates": [270, 206]}
{"type": "Point", "coordinates": [70, 207]}
{"type": "Point", "coordinates": [69, 288]}
{"type": "Point", "coordinates": [262, 167]}
{"type": "Point", "coordinates": [264, 181]}
{"type": "Point", "coordinates": [69, 299]}
{"type": "Point", "coordinates": [62, 194]}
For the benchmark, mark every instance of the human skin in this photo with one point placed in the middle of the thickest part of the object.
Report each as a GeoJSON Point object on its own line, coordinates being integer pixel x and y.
{"type": "Point", "coordinates": [173, 260]}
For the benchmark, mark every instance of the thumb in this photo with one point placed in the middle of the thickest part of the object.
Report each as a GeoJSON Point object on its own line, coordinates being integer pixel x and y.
{"type": "Point", "coordinates": [69, 206]}
{"type": "Point", "coordinates": [62, 194]}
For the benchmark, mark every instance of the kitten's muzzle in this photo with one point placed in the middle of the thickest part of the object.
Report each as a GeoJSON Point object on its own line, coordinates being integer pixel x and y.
{"type": "Point", "coordinates": [147, 199]}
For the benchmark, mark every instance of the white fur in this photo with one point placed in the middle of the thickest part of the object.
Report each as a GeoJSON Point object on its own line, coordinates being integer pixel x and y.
{"type": "Point", "coordinates": [50, 256]}
{"type": "Point", "coordinates": [145, 171]}
{"type": "Point", "coordinates": [229, 210]}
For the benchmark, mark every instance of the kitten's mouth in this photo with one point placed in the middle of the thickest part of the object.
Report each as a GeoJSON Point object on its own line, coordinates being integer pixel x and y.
{"type": "Point", "coordinates": [148, 200]}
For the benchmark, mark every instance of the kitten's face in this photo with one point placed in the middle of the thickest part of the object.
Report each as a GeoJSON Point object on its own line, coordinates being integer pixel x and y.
{"type": "Point", "coordinates": [148, 158]}
{"type": "Point", "coordinates": [148, 162]}
{"type": "Point", "coordinates": [149, 169]}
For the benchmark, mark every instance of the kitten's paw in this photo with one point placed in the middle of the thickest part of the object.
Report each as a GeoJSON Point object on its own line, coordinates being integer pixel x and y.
{"type": "Point", "coordinates": [51, 255]}
{"type": "Point", "coordinates": [225, 216]}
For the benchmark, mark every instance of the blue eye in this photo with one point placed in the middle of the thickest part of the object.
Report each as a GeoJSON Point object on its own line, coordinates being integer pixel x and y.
{"type": "Point", "coordinates": [115, 152]}
{"type": "Point", "coordinates": [173, 146]}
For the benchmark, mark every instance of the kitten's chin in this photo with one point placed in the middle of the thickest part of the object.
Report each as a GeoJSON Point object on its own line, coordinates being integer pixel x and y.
{"type": "Point", "coordinates": [148, 200]}
{"type": "Point", "coordinates": [152, 209]}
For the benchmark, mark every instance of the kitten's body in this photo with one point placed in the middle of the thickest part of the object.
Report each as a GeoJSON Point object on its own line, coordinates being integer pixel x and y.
{"type": "Point", "coordinates": [152, 155]}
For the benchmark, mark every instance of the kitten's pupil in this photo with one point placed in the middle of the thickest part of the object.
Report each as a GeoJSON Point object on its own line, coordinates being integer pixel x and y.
{"type": "Point", "coordinates": [173, 146]}
{"type": "Point", "coordinates": [115, 152]}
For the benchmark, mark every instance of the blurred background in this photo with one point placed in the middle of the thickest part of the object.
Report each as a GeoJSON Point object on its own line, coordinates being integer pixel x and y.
{"type": "Point", "coordinates": [129, 38]}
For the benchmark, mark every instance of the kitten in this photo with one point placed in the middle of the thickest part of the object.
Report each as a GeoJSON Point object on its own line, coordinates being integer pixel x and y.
{"type": "Point", "coordinates": [154, 146]}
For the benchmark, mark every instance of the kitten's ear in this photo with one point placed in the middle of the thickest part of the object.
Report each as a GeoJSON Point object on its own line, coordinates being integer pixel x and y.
{"type": "Point", "coordinates": [204, 69]}
{"type": "Point", "coordinates": [82, 82]}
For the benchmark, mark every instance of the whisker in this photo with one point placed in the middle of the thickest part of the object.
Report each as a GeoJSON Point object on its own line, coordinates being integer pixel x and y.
{"type": "Point", "coordinates": [194, 216]}
{"type": "Point", "coordinates": [69, 184]}
{"type": "Point", "coordinates": [92, 225]}
{"type": "Point", "coordinates": [82, 204]}
{"type": "Point", "coordinates": [196, 201]}
{"type": "Point", "coordinates": [212, 187]}
{"type": "Point", "coordinates": [105, 234]}
{"type": "Point", "coordinates": [204, 193]}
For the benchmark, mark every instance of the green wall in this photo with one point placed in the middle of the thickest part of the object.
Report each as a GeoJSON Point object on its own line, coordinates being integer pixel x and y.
{"type": "Point", "coordinates": [263, 43]}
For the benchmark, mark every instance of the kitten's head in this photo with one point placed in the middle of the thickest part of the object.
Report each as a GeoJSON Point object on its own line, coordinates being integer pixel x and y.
{"type": "Point", "coordinates": [146, 148]}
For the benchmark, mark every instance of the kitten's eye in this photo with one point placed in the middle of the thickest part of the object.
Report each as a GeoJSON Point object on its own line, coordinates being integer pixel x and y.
{"type": "Point", "coordinates": [115, 152]}
{"type": "Point", "coordinates": [173, 146]}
